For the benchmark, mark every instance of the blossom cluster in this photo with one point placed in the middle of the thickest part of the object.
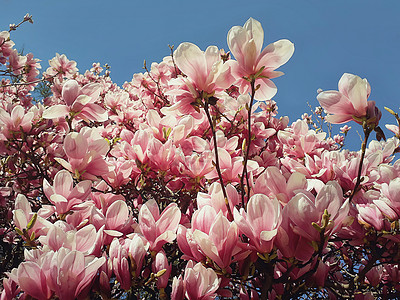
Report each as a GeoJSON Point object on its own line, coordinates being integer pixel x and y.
{"type": "Point", "coordinates": [184, 184]}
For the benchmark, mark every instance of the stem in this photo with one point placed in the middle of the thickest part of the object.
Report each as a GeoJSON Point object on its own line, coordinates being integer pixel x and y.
{"type": "Point", "coordinates": [246, 157]}
{"type": "Point", "coordinates": [230, 215]}
{"type": "Point", "coordinates": [367, 131]}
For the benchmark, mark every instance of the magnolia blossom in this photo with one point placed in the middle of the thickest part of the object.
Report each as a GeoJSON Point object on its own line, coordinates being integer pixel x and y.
{"type": "Point", "coordinates": [304, 209]}
{"type": "Point", "coordinates": [85, 151]}
{"type": "Point", "coordinates": [63, 195]}
{"type": "Point", "coordinates": [79, 103]}
{"type": "Point", "coordinates": [22, 215]}
{"type": "Point", "coordinates": [219, 239]}
{"type": "Point", "coordinates": [274, 184]}
{"type": "Point", "coordinates": [350, 102]}
{"type": "Point", "coordinates": [65, 272]}
{"type": "Point", "coordinates": [206, 70]}
{"type": "Point", "coordinates": [62, 66]}
{"type": "Point", "coordinates": [62, 234]}
{"type": "Point", "coordinates": [160, 264]}
{"type": "Point", "coordinates": [158, 228]}
{"type": "Point", "coordinates": [16, 120]}
{"type": "Point", "coordinates": [206, 75]}
{"type": "Point", "coordinates": [200, 282]}
{"type": "Point", "coordinates": [261, 221]}
{"type": "Point", "coordinates": [246, 44]}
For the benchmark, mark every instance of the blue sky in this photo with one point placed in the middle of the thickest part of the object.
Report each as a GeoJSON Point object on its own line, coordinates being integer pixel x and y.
{"type": "Point", "coordinates": [331, 37]}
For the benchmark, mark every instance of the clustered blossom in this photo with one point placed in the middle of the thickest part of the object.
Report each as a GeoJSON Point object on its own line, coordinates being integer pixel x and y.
{"type": "Point", "coordinates": [176, 186]}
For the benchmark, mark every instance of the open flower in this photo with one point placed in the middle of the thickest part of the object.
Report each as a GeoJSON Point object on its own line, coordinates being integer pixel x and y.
{"type": "Point", "coordinates": [350, 102]}
{"type": "Point", "coordinates": [245, 44]}
{"type": "Point", "coordinates": [206, 75]}
{"type": "Point", "coordinates": [79, 103]}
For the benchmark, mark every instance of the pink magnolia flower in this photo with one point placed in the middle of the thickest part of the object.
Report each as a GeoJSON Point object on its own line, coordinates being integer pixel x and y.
{"type": "Point", "coordinates": [67, 273]}
{"type": "Point", "coordinates": [215, 198]}
{"type": "Point", "coordinates": [63, 195]}
{"type": "Point", "coordinates": [62, 234]}
{"type": "Point", "coordinates": [205, 71]}
{"type": "Point", "coordinates": [261, 221]}
{"type": "Point", "coordinates": [291, 244]}
{"type": "Point", "coordinates": [16, 120]}
{"type": "Point", "coordinates": [201, 220]}
{"type": "Point", "coordinates": [304, 209]}
{"type": "Point", "coordinates": [350, 102]}
{"type": "Point", "coordinates": [11, 289]}
{"type": "Point", "coordinates": [71, 272]}
{"type": "Point", "coordinates": [118, 220]}
{"type": "Point", "coordinates": [219, 242]}
{"type": "Point", "coordinates": [138, 147]}
{"type": "Point", "coordinates": [61, 65]}
{"type": "Point", "coordinates": [370, 215]}
{"type": "Point", "coordinates": [158, 228]}
{"type": "Point", "coordinates": [120, 264]}
{"type": "Point", "coordinates": [298, 140]}
{"type": "Point", "coordinates": [127, 257]}
{"type": "Point", "coordinates": [120, 174]}
{"type": "Point", "coordinates": [274, 184]}
{"type": "Point", "coordinates": [246, 44]}
{"type": "Point", "coordinates": [178, 289]}
{"type": "Point", "coordinates": [6, 46]}
{"type": "Point", "coordinates": [389, 202]}
{"type": "Point", "coordinates": [32, 280]}
{"type": "Point", "coordinates": [231, 167]}
{"type": "Point", "coordinates": [137, 246]}
{"type": "Point", "coordinates": [23, 214]}
{"type": "Point", "coordinates": [17, 62]}
{"type": "Point", "coordinates": [79, 103]}
{"type": "Point", "coordinates": [85, 151]}
{"type": "Point", "coordinates": [200, 283]}
{"type": "Point", "coordinates": [32, 65]}
{"type": "Point", "coordinates": [160, 263]}
{"type": "Point", "coordinates": [161, 156]}
{"type": "Point", "coordinates": [197, 165]}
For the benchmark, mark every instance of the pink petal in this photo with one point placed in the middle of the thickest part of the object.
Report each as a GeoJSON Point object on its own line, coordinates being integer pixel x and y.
{"type": "Point", "coordinates": [276, 54]}
{"type": "Point", "coordinates": [32, 280]}
{"type": "Point", "coordinates": [117, 214]}
{"type": "Point", "coordinates": [267, 89]}
{"type": "Point", "coordinates": [75, 145]}
{"type": "Point", "coordinates": [191, 61]}
{"type": "Point", "coordinates": [63, 183]}
{"type": "Point", "coordinates": [357, 90]}
{"type": "Point", "coordinates": [147, 223]}
{"type": "Point", "coordinates": [81, 190]}
{"type": "Point", "coordinates": [85, 238]}
{"type": "Point", "coordinates": [90, 271]}
{"type": "Point", "coordinates": [169, 219]}
{"type": "Point", "coordinates": [256, 31]}
{"type": "Point", "coordinates": [338, 119]}
{"type": "Point", "coordinates": [70, 91]}
{"type": "Point", "coordinates": [94, 112]}
{"type": "Point", "coordinates": [335, 102]}
{"type": "Point", "coordinates": [92, 90]}
{"type": "Point", "coordinates": [56, 111]}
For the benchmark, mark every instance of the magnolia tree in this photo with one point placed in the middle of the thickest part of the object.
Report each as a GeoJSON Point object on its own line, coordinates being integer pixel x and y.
{"type": "Point", "coordinates": [184, 184]}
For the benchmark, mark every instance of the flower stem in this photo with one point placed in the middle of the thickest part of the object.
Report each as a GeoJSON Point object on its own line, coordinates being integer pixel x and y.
{"type": "Point", "coordinates": [246, 157]}
{"type": "Point", "coordinates": [367, 131]}
{"type": "Point", "coordinates": [206, 108]}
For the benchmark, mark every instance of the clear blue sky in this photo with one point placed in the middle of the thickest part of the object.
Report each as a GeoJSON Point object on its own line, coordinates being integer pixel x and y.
{"type": "Point", "coordinates": [331, 37]}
